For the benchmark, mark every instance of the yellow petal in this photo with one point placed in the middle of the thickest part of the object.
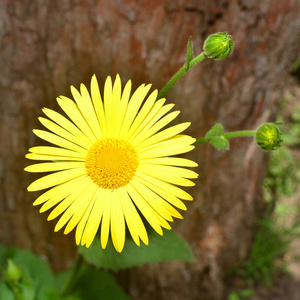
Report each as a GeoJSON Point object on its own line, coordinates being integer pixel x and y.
{"type": "Point", "coordinates": [123, 109]}
{"type": "Point", "coordinates": [57, 152]}
{"type": "Point", "coordinates": [171, 161]}
{"type": "Point", "coordinates": [108, 105]}
{"type": "Point", "coordinates": [117, 223]}
{"type": "Point", "coordinates": [177, 145]}
{"type": "Point", "coordinates": [162, 171]}
{"type": "Point", "coordinates": [59, 192]}
{"type": "Point", "coordinates": [164, 135]}
{"type": "Point", "coordinates": [98, 105]}
{"type": "Point", "coordinates": [116, 101]}
{"type": "Point", "coordinates": [78, 215]}
{"type": "Point", "coordinates": [165, 186]}
{"type": "Point", "coordinates": [56, 140]}
{"type": "Point", "coordinates": [154, 113]}
{"type": "Point", "coordinates": [134, 105]}
{"type": "Point", "coordinates": [94, 219]}
{"type": "Point", "coordinates": [53, 166]}
{"type": "Point", "coordinates": [157, 112]}
{"type": "Point", "coordinates": [72, 110]}
{"type": "Point", "coordinates": [142, 114]}
{"type": "Point", "coordinates": [64, 204]}
{"type": "Point", "coordinates": [55, 179]}
{"type": "Point", "coordinates": [64, 133]}
{"type": "Point", "coordinates": [106, 219]}
{"type": "Point", "coordinates": [79, 204]}
{"type": "Point", "coordinates": [81, 225]}
{"type": "Point", "coordinates": [134, 222]}
{"type": "Point", "coordinates": [69, 126]}
{"type": "Point", "coordinates": [152, 199]}
{"type": "Point", "coordinates": [84, 103]}
{"type": "Point", "coordinates": [154, 219]}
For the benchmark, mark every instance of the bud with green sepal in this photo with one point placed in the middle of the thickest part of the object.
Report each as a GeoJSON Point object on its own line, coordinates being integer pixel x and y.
{"type": "Point", "coordinates": [268, 136]}
{"type": "Point", "coordinates": [218, 45]}
{"type": "Point", "coordinates": [12, 273]}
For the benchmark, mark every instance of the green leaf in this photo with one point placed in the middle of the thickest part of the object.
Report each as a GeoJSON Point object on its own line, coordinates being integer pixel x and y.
{"type": "Point", "coordinates": [220, 142]}
{"type": "Point", "coordinates": [190, 53]}
{"type": "Point", "coordinates": [5, 292]}
{"type": "Point", "coordinates": [216, 130]}
{"type": "Point", "coordinates": [215, 136]}
{"type": "Point", "coordinates": [38, 271]}
{"type": "Point", "coordinates": [96, 284]}
{"type": "Point", "coordinates": [170, 246]}
{"type": "Point", "coordinates": [37, 280]}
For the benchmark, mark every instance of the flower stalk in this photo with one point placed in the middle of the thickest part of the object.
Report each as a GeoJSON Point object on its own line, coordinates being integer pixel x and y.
{"type": "Point", "coordinates": [179, 74]}
{"type": "Point", "coordinates": [241, 133]}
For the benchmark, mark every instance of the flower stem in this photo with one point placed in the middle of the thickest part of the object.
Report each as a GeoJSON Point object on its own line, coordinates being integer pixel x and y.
{"type": "Point", "coordinates": [228, 135]}
{"type": "Point", "coordinates": [71, 281]}
{"type": "Point", "coordinates": [179, 74]}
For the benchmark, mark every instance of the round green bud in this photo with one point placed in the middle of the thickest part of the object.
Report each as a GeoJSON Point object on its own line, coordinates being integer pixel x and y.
{"type": "Point", "coordinates": [268, 136]}
{"type": "Point", "coordinates": [218, 45]}
{"type": "Point", "coordinates": [12, 273]}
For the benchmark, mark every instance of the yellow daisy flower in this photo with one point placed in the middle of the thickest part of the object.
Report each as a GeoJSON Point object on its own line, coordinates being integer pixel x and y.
{"type": "Point", "coordinates": [112, 163]}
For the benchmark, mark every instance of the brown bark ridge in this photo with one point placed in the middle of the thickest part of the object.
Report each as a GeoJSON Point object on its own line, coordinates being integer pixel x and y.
{"type": "Point", "coordinates": [45, 46]}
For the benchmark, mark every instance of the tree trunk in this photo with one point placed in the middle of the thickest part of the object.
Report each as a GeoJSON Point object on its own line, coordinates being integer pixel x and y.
{"type": "Point", "coordinates": [48, 45]}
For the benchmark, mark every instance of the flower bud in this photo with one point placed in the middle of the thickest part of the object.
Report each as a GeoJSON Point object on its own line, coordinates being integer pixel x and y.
{"type": "Point", "coordinates": [268, 136]}
{"type": "Point", "coordinates": [12, 273]}
{"type": "Point", "coordinates": [218, 45]}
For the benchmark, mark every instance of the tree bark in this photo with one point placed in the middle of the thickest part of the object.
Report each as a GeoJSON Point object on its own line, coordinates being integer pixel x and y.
{"type": "Point", "coordinates": [45, 46]}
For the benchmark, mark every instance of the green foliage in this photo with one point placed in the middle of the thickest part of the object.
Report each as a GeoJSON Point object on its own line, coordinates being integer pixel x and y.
{"type": "Point", "coordinates": [284, 168]}
{"type": "Point", "coordinates": [215, 136]}
{"type": "Point", "coordinates": [169, 247]}
{"type": "Point", "coordinates": [35, 280]}
{"type": "Point", "coordinates": [274, 236]}
{"type": "Point", "coordinates": [241, 295]}
{"type": "Point", "coordinates": [89, 283]}
{"type": "Point", "coordinates": [271, 242]}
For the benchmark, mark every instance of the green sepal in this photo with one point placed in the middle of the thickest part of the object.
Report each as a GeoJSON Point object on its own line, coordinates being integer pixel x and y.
{"type": "Point", "coordinates": [170, 246]}
{"type": "Point", "coordinates": [190, 53]}
{"type": "Point", "coordinates": [218, 45]}
{"type": "Point", "coordinates": [268, 136]}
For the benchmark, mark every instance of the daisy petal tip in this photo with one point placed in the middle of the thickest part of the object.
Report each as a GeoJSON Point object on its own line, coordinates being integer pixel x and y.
{"type": "Point", "coordinates": [88, 244]}
{"type": "Point", "coordinates": [56, 229]}
{"type": "Point", "coordinates": [31, 188]}
{"type": "Point", "coordinates": [119, 249]}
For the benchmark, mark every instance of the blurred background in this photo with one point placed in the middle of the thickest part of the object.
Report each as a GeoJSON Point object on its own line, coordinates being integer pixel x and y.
{"type": "Point", "coordinates": [48, 45]}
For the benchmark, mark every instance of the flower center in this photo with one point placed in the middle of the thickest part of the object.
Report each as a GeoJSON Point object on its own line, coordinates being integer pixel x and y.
{"type": "Point", "coordinates": [111, 163]}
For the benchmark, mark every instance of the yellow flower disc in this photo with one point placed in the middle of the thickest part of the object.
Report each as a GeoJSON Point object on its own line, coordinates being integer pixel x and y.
{"type": "Point", "coordinates": [111, 163]}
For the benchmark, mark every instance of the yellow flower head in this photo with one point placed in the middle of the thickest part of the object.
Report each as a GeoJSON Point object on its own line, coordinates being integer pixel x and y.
{"type": "Point", "coordinates": [112, 163]}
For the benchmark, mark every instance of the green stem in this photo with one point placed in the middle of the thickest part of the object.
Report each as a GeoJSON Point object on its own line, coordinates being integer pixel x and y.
{"type": "Point", "coordinates": [73, 278]}
{"type": "Point", "coordinates": [17, 292]}
{"type": "Point", "coordinates": [228, 135]}
{"type": "Point", "coordinates": [179, 74]}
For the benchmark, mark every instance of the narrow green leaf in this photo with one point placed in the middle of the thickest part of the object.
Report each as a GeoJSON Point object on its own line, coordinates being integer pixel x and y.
{"type": "Point", "coordinates": [190, 53]}
{"type": "Point", "coordinates": [170, 246]}
{"type": "Point", "coordinates": [216, 130]}
{"type": "Point", "coordinates": [220, 142]}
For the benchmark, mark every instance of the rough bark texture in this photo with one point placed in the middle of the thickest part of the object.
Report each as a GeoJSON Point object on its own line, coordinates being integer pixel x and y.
{"type": "Point", "coordinates": [45, 46]}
